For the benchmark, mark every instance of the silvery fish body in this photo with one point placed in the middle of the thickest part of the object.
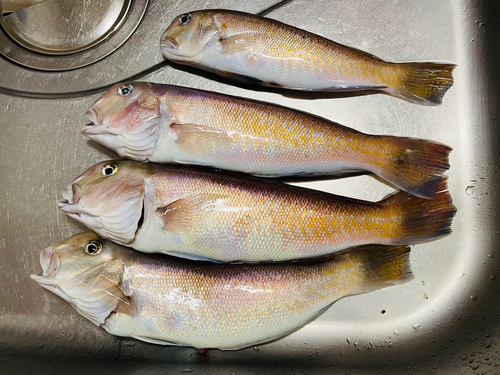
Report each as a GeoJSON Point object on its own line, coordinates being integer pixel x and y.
{"type": "Point", "coordinates": [264, 51]}
{"type": "Point", "coordinates": [171, 124]}
{"type": "Point", "coordinates": [169, 301]}
{"type": "Point", "coordinates": [202, 214]}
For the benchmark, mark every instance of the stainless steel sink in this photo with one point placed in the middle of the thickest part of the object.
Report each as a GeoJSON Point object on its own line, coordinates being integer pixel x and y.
{"type": "Point", "coordinates": [445, 321]}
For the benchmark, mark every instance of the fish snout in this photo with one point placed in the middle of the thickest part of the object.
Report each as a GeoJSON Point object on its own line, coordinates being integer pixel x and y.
{"type": "Point", "coordinates": [95, 115]}
{"type": "Point", "coordinates": [71, 194]}
{"type": "Point", "coordinates": [49, 261]}
{"type": "Point", "coordinates": [168, 43]}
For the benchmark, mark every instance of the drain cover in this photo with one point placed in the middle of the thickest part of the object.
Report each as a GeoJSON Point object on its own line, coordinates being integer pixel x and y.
{"type": "Point", "coordinates": [68, 34]}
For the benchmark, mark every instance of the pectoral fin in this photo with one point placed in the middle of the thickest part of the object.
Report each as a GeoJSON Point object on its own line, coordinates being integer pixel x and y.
{"type": "Point", "coordinates": [180, 215]}
{"type": "Point", "coordinates": [234, 44]}
{"type": "Point", "coordinates": [124, 304]}
{"type": "Point", "coordinates": [200, 139]}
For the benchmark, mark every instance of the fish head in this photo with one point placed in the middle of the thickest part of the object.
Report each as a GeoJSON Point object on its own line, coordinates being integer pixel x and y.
{"type": "Point", "coordinates": [108, 198]}
{"type": "Point", "coordinates": [87, 272]}
{"type": "Point", "coordinates": [127, 119]}
{"type": "Point", "coordinates": [188, 35]}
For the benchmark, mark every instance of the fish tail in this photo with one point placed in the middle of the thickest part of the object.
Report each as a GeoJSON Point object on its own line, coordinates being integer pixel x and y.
{"type": "Point", "coordinates": [415, 165]}
{"type": "Point", "coordinates": [421, 220]}
{"type": "Point", "coordinates": [382, 265]}
{"type": "Point", "coordinates": [423, 82]}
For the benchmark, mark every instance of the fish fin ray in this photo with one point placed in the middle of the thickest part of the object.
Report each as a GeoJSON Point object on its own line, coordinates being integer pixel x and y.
{"type": "Point", "coordinates": [234, 44]}
{"type": "Point", "coordinates": [424, 83]}
{"type": "Point", "coordinates": [156, 341]}
{"type": "Point", "coordinates": [125, 304]}
{"type": "Point", "coordinates": [200, 139]}
{"type": "Point", "coordinates": [180, 214]}
{"type": "Point", "coordinates": [382, 265]}
{"type": "Point", "coordinates": [420, 219]}
{"type": "Point", "coordinates": [416, 165]}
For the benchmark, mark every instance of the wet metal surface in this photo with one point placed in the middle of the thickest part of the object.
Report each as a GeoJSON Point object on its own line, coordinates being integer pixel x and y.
{"type": "Point", "coordinates": [444, 321]}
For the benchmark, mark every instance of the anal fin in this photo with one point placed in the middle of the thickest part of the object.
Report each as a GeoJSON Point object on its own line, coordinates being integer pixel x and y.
{"type": "Point", "coordinates": [156, 341]}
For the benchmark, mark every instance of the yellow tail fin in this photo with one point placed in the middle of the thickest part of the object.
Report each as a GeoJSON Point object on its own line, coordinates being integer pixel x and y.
{"type": "Point", "coordinates": [424, 83]}
{"type": "Point", "coordinates": [382, 265]}
{"type": "Point", "coordinates": [415, 165]}
{"type": "Point", "coordinates": [422, 220]}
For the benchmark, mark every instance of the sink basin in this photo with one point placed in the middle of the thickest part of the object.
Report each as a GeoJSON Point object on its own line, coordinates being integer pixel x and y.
{"type": "Point", "coordinates": [445, 321]}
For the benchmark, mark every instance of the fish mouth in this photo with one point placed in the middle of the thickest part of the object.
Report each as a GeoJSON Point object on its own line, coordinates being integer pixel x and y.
{"type": "Point", "coordinates": [71, 194]}
{"type": "Point", "coordinates": [50, 263]}
{"type": "Point", "coordinates": [168, 43]}
{"type": "Point", "coordinates": [95, 115]}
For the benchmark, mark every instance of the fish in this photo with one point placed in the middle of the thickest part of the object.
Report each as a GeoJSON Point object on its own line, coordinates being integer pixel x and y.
{"type": "Point", "coordinates": [171, 124]}
{"type": "Point", "coordinates": [170, 301]}
{"type": "Point", "coordinates": [225, 217]}
{"type": "Point", "coordinates": [258, 50]}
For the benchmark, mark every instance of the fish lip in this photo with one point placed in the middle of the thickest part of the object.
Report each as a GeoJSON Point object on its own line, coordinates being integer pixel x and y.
{"type": "Point", "coordinates": [168, 43]}
{"type": "Point", "coordinates": [71, 195]}
{"type": "Point", "coordinates": [50, 262]}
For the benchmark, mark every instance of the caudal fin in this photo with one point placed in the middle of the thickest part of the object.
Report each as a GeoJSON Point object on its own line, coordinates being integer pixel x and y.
{"type": "Point", "coordinates": [382, 265]}
{"type": "Point", "coordinates": [421, 220]}
{"type": "Point", "coordinates": [416, 166]}
{"type": "Point", "coordinates": [423, 82]}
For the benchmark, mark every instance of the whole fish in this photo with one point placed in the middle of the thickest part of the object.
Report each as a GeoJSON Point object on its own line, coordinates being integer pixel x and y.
{"type": "Point", "coordinates": [260, 50]}
{"type": "Point", "coordinates": [202, 214]}
{"type": "Point", "coordinates": [168, 301]}
{"type": "Point", "coordinates": [166, 124]}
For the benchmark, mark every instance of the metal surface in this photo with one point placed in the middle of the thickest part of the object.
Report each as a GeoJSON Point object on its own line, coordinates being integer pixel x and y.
{"type": "Point", "coordinates": [78, 32]}
{"type": "Point", "coordinates": [61, 27]}
{"type": "Point", "coordinates": [443, 322]}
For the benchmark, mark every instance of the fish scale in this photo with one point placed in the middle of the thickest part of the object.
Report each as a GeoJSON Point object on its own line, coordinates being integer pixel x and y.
{"type": "Point", "coordinates": [164, 300]}
{"type": "Point", "coordinates": [204, 214]}
{"type": "Point", "coordinates": [163, 123]}
{"type": "Point", "coordinates": [259, 50]}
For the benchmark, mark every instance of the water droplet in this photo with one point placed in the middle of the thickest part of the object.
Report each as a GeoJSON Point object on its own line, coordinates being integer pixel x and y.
{"type": "Point", "coordinates": [491, 254]}
{"type": "Point", "coordinates": [255, 349]}
{"type": "Point", "coordinates": [492, 277]}
{"type": "Point", "coordinates": [396, 333]}
{"type": "Point", "coordinates": [348, 340]}
{"type": "Point", "coordinates": [416, 327]}
{"type": "Point", "coordinates": [472, 40]}
{"type": "Point", "coordinates": [470, 189]}
{"type": "Point", "coordinates": [473, 297]}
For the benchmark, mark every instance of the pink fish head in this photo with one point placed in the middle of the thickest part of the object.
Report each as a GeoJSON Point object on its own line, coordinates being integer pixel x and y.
{"type": "Point", "coordinates": [127, 119]}
{"type": "Point", "coordinates": [108, 198]}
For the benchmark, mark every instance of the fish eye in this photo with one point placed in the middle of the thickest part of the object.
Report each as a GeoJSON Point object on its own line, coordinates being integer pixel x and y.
{"type": "Point", "coordinates": [125, 90]}
{"type": "Point", "coordinates": [93, 247]}
{"type": "Point", "coordinates": [185, 18]}
{"type": "Point", "coordinates": [109, 169]}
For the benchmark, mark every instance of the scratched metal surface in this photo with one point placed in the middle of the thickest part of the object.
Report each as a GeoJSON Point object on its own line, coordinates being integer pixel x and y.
{"type": "Point", "coordinates": [444, 321]}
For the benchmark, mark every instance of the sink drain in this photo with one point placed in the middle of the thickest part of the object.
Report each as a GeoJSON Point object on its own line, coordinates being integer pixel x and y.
{"type": "Point", "coordinates": [57, 35]}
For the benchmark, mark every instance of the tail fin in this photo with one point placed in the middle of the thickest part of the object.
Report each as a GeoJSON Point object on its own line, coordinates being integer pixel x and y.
{"type": "Point", "coordinates": [382, 265]}
{"type": "Point", "coordinates": [424, 83]}
{"type": "Point", "coordinates": [422, 220]}
{"type": "Point", "coordinates": [416, 166]}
